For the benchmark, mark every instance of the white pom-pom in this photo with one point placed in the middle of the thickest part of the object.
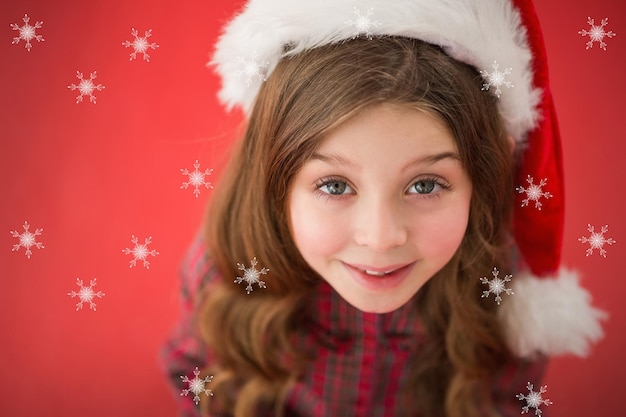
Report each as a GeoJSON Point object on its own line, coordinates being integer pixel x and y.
{"type": "Point", "coordinates": [550, 316]}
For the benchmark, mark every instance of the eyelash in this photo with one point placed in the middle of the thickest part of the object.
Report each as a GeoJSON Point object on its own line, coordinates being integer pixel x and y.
{"type": "Point", "coordinates": [329, 180]}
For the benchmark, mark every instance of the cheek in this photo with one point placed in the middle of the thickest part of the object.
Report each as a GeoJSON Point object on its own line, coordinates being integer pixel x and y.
{"type": "Point", "coordinates": [441, 235]}
{"type": "Point", "coordinates": [315, 232]}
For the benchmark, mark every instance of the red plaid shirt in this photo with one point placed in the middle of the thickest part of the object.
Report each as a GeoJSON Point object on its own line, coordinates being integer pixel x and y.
{"type": "Point", "coordinates": [361, 361]}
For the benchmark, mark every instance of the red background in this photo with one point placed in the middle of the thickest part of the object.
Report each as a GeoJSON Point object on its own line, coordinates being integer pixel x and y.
{"type": "Point", "coordinates": [92, 175]}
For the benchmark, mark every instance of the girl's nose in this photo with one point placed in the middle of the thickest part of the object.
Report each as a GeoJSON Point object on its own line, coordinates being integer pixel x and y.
{"type": "Point", "coordinates": [379, 225]}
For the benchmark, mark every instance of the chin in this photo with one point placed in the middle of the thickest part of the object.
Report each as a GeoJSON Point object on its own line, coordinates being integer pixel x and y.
{"type": "Point", "coordinates": [379, 304]}
{"type": "Point", "coordinates": [379, 310]}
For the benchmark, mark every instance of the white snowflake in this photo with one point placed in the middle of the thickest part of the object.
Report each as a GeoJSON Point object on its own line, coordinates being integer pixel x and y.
{"type": "Point", "coordinates": [596, 240]}
{"type": "Point", "coordinates": [496, 79]}
{"type": "Point", "coordinates": [86, 87]}
{"type": "Point", "coordinates": [597, 33]}
{"type": "Point", "coordinates": [27, 32]}
{"type": "Point", "coordinates": [140, 45]}
{"type": "Point", "coordinates": [362, 24]}
{"type": "Point", "coordinates": [251, 275]}
{"type": "Point", "coordinates": [533, 399]}
{"type": "Point", "coordinates": [497, 286]}
{"type": "Point", "coordinates": [196, 386]}
{"type": "Point", "coordinates": [140, 251]}
{"type": "Point", "coordinates": [534, 192]}
{"type": "Point", "coordinates": [27, 239]}
{"type": "Point", "coordinates": [196, 178]}
{"type": "Point", "coordinates": [86, 294]}
{"type": "Point", "coordinates": [252, 68]}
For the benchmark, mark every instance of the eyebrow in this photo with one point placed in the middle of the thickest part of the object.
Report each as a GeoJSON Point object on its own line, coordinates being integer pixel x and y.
{"type": "Point", "coordinates": [337, 159]}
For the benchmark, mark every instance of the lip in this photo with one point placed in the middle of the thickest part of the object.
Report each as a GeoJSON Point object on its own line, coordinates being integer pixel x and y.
{"type": "Point", "coordinates": [377, 283]}
{"type": "Point", "coordinates": [377, 269]}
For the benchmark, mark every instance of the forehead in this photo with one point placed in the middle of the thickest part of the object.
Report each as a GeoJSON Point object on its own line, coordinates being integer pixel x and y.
{"type": "Point", "coordinates": [390, 127]}
{"type": "Point", "coordinates": [388, 140]}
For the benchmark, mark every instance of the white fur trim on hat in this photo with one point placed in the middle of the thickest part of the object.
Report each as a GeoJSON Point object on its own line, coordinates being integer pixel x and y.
{"type": "Point", "coordinates": [550, 315]}
{"type": "Point", "coordinates": [475, 32]}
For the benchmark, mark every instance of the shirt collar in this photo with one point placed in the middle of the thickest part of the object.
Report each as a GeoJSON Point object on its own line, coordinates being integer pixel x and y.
{"type": "Point", "coordinates": [332, 314]}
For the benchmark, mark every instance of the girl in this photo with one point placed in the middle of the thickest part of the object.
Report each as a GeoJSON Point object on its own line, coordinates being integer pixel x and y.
{"type": "Point", "coordinates": [369, 208]}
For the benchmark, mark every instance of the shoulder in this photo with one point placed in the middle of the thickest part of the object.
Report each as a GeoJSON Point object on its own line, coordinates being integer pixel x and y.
{"type": "Point", "coordinates": [197, 271]}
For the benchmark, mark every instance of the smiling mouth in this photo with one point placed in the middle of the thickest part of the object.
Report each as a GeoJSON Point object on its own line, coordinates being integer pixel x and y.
{"type": "Point", "coordinates": [379, 279]}
{"type": "Point", "coordinates": [379, 272]}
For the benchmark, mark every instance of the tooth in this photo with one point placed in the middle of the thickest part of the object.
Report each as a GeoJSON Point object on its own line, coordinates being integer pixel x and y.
{"type": "Point", "coordinates": [379, 274]}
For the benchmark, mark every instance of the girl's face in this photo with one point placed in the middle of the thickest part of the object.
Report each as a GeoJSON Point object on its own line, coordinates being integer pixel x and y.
{"type": "Point", "coordinates": [381, 206]}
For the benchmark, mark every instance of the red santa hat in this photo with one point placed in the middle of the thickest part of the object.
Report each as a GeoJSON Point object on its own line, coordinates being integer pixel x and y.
{"type": "Point", "coordinates": [549, 312]}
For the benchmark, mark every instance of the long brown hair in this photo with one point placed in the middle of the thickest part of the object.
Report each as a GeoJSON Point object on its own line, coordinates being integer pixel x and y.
{"type": "Point", "coordinates": [306, 96]}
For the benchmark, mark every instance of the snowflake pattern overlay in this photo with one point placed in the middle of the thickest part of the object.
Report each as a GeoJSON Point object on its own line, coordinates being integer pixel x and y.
{"type": "Point", "coordinates": [85, 87]}
{"type": "Point", "coordinates": [27, 239]}
{"type": "Point", "coordinates": [496, 79]}
{"type": "Point", "coordinates": [534, 192]}
{"type": "Point", "coordinates": [196, 179]}
{"type": "Point", "coordinates": [140, 44]}
{"type": "Point", "coordinates": [196, 386]}
{"type": "Point", "coordinates": [86, 294]}
{"type": "Point", "coordinates": [27, 33]}
{"type": "Point", "coordinates": [251, 275]}
{"type": "Point", "coordinates": [596, 240]}
{"type": "Point", "coordinates": [252, 68]}
{"type": "Point", "coordinates": [362, 24]}
{"type": "Point", "coordinates": [497, 286]}
{"type": "Point", "coordinates": [534, 399]}
{"type": "Point", "coordinates": [596, 33]}
{"type": "Point", "coordinates": [140, 252]}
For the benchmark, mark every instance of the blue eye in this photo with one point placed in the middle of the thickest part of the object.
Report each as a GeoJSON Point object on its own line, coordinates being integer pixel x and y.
{"type": "Point", "coordinates": [424, 187]}
{"type": "Point", "coordinates": [428, 186]}
{"type": "Point", "coordinates": [334, 186]}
